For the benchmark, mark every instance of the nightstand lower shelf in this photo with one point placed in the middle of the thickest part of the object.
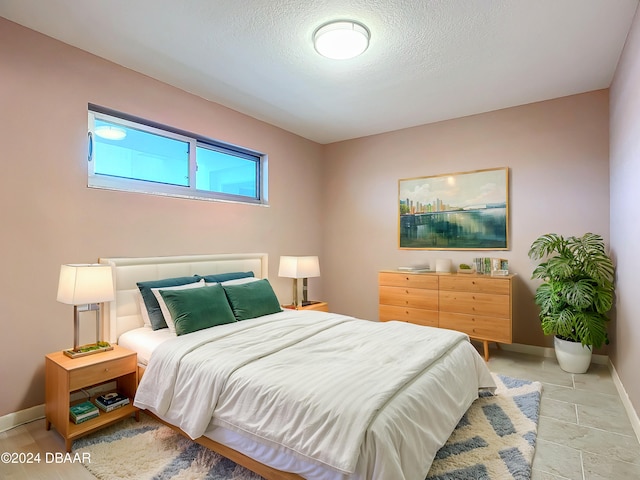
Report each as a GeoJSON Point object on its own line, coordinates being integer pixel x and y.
{"type": "Point", "coordinates": [76, 431]}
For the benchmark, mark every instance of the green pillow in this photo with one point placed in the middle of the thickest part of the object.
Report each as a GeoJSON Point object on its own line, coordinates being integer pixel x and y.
{"type": "Point", "coordinates": [251, 300]}
{"type": "Point", "coordinates": [198, 308]}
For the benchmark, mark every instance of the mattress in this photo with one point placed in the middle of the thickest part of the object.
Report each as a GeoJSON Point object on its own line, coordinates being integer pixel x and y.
{"type": "Point", "coordinates": [144, 341]}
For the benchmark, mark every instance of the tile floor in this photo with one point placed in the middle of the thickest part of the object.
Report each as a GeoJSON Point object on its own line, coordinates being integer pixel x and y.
{"type": "Point", "coordinates": [584, 432]}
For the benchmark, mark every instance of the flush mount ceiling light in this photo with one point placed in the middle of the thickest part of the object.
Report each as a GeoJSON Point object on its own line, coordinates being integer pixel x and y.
{"type": "Point", "coordinates": [110, 133]}
{"type": "Point", "coordinates": [341, 40]}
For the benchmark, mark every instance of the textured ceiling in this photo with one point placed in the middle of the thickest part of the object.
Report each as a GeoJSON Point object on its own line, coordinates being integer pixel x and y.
{"type": "Point", "coordinates": [428, 60]}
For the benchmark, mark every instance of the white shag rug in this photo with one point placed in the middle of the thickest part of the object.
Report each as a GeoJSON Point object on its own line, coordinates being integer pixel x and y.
{"type": "Point", "coordinates": [494, 440]}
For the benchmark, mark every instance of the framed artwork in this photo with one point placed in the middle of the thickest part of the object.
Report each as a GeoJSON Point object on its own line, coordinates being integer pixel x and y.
{"type": "Point", "coordinates": [458, 211]}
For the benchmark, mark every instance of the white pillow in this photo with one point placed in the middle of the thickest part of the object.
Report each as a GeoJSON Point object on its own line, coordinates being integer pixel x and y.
{"type": "Point", "coordinates": [143, 310]}
{"type": "Point", "coordinates": [163, 306]}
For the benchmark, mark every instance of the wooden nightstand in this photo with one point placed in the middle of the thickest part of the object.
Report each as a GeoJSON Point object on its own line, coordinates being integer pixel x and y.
{"type": "Point", "coordinates": [319, 306]}
{"type": "Point", "coordinates": [64, 375]}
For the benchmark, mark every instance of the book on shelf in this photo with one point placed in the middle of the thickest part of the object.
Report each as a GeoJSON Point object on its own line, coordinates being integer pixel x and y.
{"type": "Point", "coordinates": [113, 406]}
{"type": "Point", "coordinates": [111, 398]}
{"type": "Point", "coordinates": [84, 419]}
{"type": "Point", "coordinates": [83, 411]}
{"type": "Point", "coordinates": [488, 265]}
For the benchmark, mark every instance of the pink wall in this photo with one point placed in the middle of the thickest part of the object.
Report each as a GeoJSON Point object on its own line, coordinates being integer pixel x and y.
{"type": "Point", "coordinates": [49, 216]}
{"type": "Point", "coordinates": [625, 211]}
{"type": "Point", "coordinates": [558, 156]}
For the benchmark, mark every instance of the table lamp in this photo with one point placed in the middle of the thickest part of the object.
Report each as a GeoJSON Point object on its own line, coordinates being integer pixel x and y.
{"type": "Point", "coordinates": [85, 286]}
{"type": "Point", "coordinates": [299, 267]}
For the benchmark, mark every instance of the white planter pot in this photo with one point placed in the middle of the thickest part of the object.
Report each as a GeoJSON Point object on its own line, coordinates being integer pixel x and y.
{"type": "Point", "coordinates": [573, 357]}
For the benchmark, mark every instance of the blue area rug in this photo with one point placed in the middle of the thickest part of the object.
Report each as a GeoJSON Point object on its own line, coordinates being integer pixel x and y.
{"type": "Point", "coordinates": [494, 440]}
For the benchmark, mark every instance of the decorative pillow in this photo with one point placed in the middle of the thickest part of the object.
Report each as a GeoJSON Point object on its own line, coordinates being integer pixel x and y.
{"type": "Point", "coordinates": [251, 300]}
{"type": "Point", "coordinates": [166, 314]}
{"type": "Point", "coordinates": [223, 277]}
{"type": "Point", "coordinates": [198, 308]}
{"type": "Point", "coordinates": [151, 303]}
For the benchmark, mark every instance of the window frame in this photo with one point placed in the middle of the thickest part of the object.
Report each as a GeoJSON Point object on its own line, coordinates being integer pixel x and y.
{"type": "Point", "coordinates": [110, 182]}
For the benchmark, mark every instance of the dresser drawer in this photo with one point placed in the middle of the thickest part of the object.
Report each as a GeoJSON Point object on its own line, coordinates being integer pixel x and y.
{"type": "Point", "coordinates": [101, 372]}
{"type": "Point", "coordinates": [412, 280]}
{"type": "Point", "coordinates": [428, 318]}
{"type": "Point", "coordinates": [475, 303]}
{"type": "Point", "coordinates": [479, 284]}
{"type": "Point", "coordinates": [477, 326]}
{"type": "Point", "coordinates": [408, 297]}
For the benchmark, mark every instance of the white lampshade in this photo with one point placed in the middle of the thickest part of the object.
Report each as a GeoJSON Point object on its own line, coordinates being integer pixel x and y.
{"type": "Point", "coordinates": [299, 267]}
{"type": "Point", "coordinates": [341, 40]}
{"type": "Point", "coordinates": [84, 284]}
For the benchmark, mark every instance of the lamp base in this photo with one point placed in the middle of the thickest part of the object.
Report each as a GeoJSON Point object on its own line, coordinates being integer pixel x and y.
{"type": "Point", "coordinates": [88, 349]}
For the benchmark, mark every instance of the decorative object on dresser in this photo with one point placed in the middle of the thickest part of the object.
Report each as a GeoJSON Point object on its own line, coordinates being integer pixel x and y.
{"type": "Point", "coordinates": [299, 267]}
{"type": "Point", "coordinates": [491, 266]}
{"type": "Point", "coordinates": [85, 286]}
{"type": "Point", "coordinates": [477, 305]}
{"type": "Point", "coordinates": [443, 212]}
{"type": "Point", "coordinates": [466, 268]}
{"type": "Point", "coordinates": [65, 375]}
{"type": "Point", "coordinates": [577, 294]}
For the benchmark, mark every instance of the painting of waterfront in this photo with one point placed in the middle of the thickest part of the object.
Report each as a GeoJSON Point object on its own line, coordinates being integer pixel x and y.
{"type": "Point", "coordinates": [460, 211]}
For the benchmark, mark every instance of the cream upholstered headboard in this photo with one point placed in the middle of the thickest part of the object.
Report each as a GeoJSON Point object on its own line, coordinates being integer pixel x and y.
{"type": "Point", "coordinates": [123, 313]}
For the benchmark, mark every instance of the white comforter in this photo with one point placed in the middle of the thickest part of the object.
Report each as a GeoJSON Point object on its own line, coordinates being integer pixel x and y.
{"type": "Point", "coordinates": [306, 383]}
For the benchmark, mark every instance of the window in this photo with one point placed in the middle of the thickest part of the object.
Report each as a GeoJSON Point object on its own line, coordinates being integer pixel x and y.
{"type": "Point", "coordinates": [127, 154]}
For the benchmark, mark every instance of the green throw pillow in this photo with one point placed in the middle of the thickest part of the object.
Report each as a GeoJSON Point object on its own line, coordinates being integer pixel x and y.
{"type": "Point", "coordinates": [251, 300]}
{"type": "Point", "coordinates": [198, 308]}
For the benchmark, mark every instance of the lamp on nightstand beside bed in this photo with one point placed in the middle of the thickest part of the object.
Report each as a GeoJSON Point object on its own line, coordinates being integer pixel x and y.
{"type": "Point", "coordinates": [85, 286]}
{"type": "Point", "coordinates": [299, 267]}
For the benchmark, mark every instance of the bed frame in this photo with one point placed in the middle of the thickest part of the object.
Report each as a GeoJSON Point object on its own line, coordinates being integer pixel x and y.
{"type": "Point", "coordinates": [123, 314]}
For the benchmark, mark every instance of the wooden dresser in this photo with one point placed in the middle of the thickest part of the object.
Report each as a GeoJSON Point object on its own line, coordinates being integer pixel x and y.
{"type": "Point", "coordinates": [478, 305]}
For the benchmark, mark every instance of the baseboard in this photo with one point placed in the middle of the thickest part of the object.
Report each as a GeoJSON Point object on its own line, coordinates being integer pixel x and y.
{"type": "Point", "coordinates": [21, 417]}
{"type": "Point", "coordinates": [547, 352]}
{"type": "Point", "coordinates": [15, 419]}
{"type": "Point", "coordinates": [626, 401]}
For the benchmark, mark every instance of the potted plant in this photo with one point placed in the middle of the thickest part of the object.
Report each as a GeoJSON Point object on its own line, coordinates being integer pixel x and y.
{"type": "Point", "coordinates": [575, 296]}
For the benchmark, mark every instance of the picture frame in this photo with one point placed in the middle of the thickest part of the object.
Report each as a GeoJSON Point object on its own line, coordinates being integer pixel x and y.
{"type": "Point", "coordinates": [457, 211]}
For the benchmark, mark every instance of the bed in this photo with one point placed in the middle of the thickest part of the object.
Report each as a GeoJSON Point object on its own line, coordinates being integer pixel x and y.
{"type": "Point", "coordinates": [292, 394]}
